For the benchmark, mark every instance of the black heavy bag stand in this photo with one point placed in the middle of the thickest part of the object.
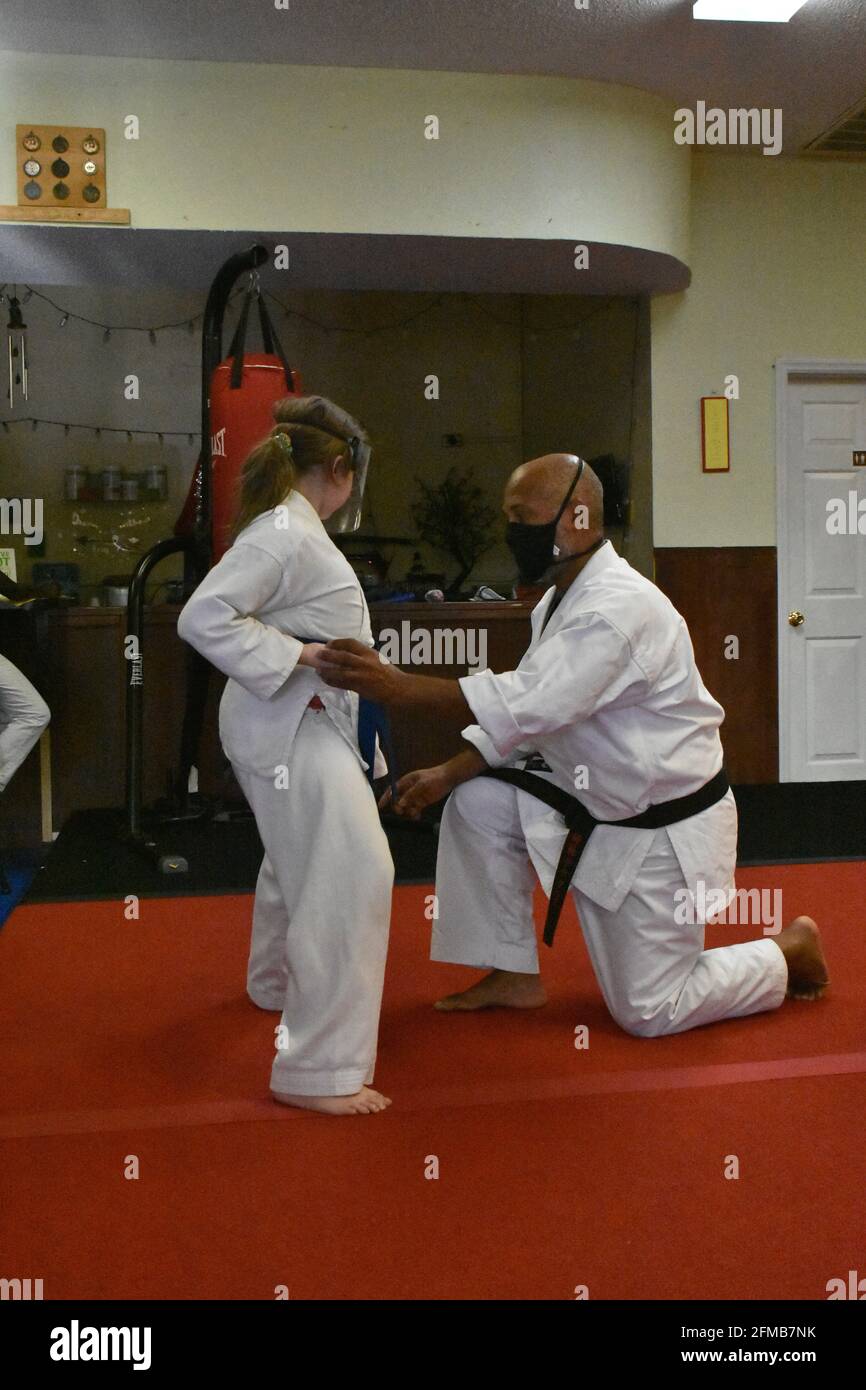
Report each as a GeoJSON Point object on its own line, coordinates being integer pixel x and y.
{"type": "Point", "coordinates": [197, 550]}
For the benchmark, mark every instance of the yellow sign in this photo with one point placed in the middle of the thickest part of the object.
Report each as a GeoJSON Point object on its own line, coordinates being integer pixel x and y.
{"type": "Point", "coordinates": [715, 438]}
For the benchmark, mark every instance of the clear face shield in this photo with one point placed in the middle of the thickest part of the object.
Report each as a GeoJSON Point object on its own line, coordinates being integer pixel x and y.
{"type": "Point", "coordinates": [348, 517]}
{"type": "Point", "coordinates": [325, 415]}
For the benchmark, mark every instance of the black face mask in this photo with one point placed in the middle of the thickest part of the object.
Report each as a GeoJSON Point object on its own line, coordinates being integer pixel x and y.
{"type": "Point", "coordinates": [532, 545]}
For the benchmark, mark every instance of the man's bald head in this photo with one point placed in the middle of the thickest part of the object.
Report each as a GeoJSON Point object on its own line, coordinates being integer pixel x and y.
{"type": "Point", "coordinates": [534, 493]}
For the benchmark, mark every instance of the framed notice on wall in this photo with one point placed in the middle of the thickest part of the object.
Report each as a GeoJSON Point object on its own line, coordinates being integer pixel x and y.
{"type": "Point", "coordinates": [715, 437]}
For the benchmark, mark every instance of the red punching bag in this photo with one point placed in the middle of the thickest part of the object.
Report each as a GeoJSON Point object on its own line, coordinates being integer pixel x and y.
{"type": "Point", "coordinates": [244, 389]}
{"type": "Point", "coordinates": [240, 419]}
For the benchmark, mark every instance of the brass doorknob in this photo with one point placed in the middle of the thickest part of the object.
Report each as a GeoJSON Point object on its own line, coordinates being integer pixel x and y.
{"type": "Point", "coordinates": [796, 618]}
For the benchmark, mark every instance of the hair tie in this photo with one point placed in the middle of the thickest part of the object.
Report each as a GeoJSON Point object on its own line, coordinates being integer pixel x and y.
{"type": "Point", "coordinates": [284, 442]}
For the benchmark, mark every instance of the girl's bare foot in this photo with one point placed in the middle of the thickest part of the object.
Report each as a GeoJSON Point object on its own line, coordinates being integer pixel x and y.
{"type": "Point", "coordinates": [364, 1102]}
{"type": "Point", "coordinates": [500, 989]}
{"type": "Point", "coordinates": [800, 944]}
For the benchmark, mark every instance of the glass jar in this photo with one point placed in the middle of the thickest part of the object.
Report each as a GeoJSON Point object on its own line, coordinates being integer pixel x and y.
{"type": "Point", "coordinates": [75, 483]}
{"type": "Point", "coordinates": [156, 481]}
{"type": "Point", "coordinates": [111, 484]}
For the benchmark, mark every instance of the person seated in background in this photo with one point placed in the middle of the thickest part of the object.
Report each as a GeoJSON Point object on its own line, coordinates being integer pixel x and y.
{"type": "Point", "coordinates": [23, 717]}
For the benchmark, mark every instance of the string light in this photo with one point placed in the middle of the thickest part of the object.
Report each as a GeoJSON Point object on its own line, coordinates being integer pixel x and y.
{"type": "Point", "coordinates": [394, 327]}
{"type": "Point", "coordinates": [98, 430]}
{"type": "Point", "coordinates": [109, 328]}
{"type": "Point", "coordinates": [190, 324]}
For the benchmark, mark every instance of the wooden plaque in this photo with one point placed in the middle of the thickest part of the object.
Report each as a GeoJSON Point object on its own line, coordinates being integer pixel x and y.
{"type": "Point", "coordinates": [46, 187]}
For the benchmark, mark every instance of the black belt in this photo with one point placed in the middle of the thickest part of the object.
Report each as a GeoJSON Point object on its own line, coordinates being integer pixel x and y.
{"type": "Point", "coordinates": [581, 824]}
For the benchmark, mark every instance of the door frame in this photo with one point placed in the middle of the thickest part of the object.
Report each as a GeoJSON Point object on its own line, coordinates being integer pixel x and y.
{"type": "Point", "coordinates": [817, 368]}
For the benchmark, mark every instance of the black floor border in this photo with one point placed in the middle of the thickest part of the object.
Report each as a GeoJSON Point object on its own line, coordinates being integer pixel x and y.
{"type": "Point", "coordinates": [426, 882]}
{"type": "Point", "coordinates": [779, 824]}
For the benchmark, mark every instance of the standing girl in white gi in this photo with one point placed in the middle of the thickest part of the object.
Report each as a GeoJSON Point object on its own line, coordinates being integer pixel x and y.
{"type": "Point", "coordinates": [323, 897]}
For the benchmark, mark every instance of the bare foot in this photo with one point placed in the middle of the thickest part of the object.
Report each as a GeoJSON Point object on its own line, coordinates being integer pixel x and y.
{"type": "Point", "coordinates": [364, 1102]}
{"type": "Point", "coordinates": [800, 944]}
{"type": "Point", "coordinates": [505, 989]}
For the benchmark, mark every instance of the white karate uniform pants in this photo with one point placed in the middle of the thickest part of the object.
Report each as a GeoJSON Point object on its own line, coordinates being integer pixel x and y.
{"type": "Point", "coordinates": [654, 974]}
{"type": "Point", "coordinates": [23, 716]}
{"type": "Point", "coordinates": [322, 913]}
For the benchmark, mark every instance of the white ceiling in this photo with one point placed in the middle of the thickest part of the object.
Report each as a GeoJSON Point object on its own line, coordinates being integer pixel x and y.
{"type": "Point", "coordinates": [813, 67]}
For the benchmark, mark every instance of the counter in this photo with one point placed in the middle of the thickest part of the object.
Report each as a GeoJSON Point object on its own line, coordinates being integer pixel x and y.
{"type": "Point", "coordinates": [74, 656]}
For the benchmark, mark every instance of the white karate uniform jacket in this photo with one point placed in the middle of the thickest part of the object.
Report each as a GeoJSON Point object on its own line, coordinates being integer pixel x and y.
{"type": "Point", "coordinates": [281, 581]}
{"type": "Point", "coordinates": [611, 686]}
{"type": "Point", "coordinates": [323, 895]}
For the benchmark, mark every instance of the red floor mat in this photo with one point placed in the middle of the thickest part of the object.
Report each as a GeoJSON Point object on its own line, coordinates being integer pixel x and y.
{"type": "Point", "coordinates": [135, 1038]}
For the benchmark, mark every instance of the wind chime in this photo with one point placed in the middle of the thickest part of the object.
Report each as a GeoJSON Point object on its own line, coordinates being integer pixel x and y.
{"type": "Point", "coordinates": [16, 343]}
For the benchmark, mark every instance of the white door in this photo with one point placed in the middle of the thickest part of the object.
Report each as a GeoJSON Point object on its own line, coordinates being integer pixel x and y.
{"type": "Point", "coordinates": [822, 580]}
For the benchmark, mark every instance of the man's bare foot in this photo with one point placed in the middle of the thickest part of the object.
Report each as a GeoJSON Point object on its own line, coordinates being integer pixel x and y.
{"type": "Point", "coordinates": [800, 944]}
{"type": "Point", "coordinates": [500, 989]}
{"type": "Point", "coordinates": [364, 1102]}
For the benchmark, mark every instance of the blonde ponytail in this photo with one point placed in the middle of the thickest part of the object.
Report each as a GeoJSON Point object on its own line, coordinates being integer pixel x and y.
{"type": "Point", "coordinates": [267, 477]}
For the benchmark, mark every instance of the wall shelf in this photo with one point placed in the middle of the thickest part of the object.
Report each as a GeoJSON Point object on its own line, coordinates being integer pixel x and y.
{"type": "Point", "coordinates": [116, 217]}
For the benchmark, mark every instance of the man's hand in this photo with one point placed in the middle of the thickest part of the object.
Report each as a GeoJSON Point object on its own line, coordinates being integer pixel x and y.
{"type": "Point", "coordinates": [419, 789]}
{"type": "Point", "coordinates": [431, 784]}
{"type": "Point", "coordinates": [349, 665]}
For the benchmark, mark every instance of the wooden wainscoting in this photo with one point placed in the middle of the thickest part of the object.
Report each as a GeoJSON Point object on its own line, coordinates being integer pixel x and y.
{"type": "Point", "coordinates": [732, 592]}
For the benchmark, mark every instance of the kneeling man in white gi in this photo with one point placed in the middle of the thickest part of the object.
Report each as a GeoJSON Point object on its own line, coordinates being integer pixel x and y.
{"type": "Point", "coordinates": [608, 705]}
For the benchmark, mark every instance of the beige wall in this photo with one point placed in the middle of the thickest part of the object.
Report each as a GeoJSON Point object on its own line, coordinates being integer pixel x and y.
{"type": "Point", "coordinates": [235, 145]}
{"type": "Point", "coordinates": [777, 270]}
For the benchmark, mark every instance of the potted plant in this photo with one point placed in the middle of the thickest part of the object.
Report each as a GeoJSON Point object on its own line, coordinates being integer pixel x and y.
{"type": "Point", "coordinates": [453, 516]}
